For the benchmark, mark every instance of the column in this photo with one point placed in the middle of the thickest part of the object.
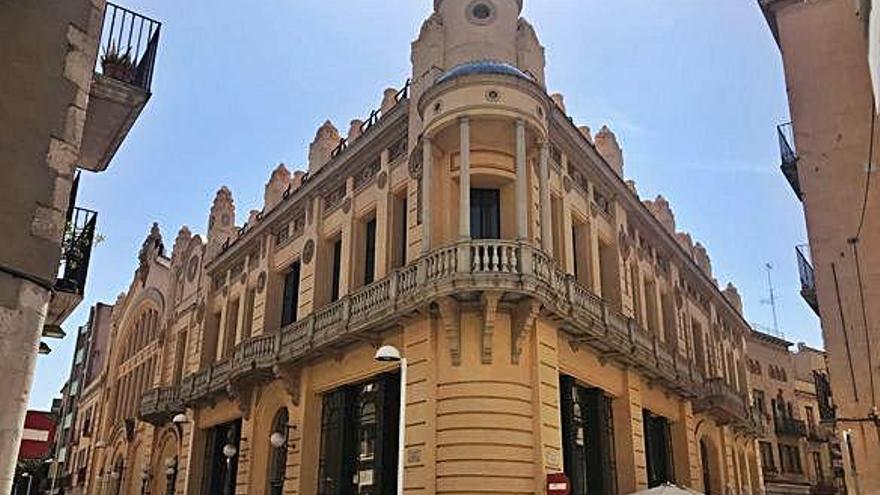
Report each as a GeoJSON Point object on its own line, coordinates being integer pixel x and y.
{"type": "Point", "coordinates": [464, 184]}
{"type": "Point", "coordinates": [427, 166]}
{"type": "Point", "coordinates": [544, 190]}
{"type": "Point", "coordinates": [522, 230]}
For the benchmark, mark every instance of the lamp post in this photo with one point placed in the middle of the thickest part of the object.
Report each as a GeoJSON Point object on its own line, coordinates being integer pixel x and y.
{"type": "Point", "coordinates": [171, 475]}
{"type": "Point", "coordinates": [390, 354]}
{"type": "Point", "coordinates": [229, 451]}
{"type": "Point", "coordinates": [30, 480]}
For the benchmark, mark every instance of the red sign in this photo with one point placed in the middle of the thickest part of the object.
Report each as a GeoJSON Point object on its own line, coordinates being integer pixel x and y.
{"type": "Point", "coordinates": [557, 484]}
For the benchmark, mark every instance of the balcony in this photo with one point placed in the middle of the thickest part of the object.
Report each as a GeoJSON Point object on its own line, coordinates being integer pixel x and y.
{"type": "Point", "coordinates": [463, 270]}
{"type": "Point", "coordinates": [819, 433]}
{"type": "Point", "coordinates": [121, 84]}
{"type": "Point", "coordinates": [789, 427]}
{"type": "Point", "coordinates": [76, 251]}
{"type": "Point", "coordinates": [723, 401]}
{"type": "Point", "coordinates": [824, 487]}
{"type": "Point", "coordinates": [788, 154]}
{"type": "Point", "coordinates": [808, 277]}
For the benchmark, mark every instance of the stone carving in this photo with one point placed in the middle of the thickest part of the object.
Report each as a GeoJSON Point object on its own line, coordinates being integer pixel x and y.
{"type": "Point", "coordinates": [450, 318]}
{"type": "Point", "coordinates": [321, 149]}
{"type": "Point", "coordinates": [367, 173]}
{"type": "Point", "coordinates": [291, 379]}
{"type": "Point", "coordinates": [389, 100]}
{"type": "Point", "coordinates": [151, 248]}
{"type": "Point", "coordinates": [731, 293]}
{"type": "Point", "coordinates": [279, 182]}
{"type": "Point", "coordinates": [566, 183]}
{"type": "Point", "coordinates": [662, 212]}
{"type": "Point", "coordinates": [609, 149]}
{"type": "Point", "coordinates": [334, 198]}
{"type": "Point", "coordinates": [522, 322]}
{"type": "Point", "coordinates": [625, 244]}
{"type": "Point", "coordinates": [701, 257]}
{"type": "Point", "coordinates": [490, 302]}
{"type": "Point", "coordinates": [261, 282]}
{"type": "Point", "coordinates": [586, 133]}
{"type": "Point", "coordinates": [308, 251]}
{"type": "Point", "coordinates": [221, 223]}
{"type": "Point", "coordinates": [346, 205]}
{"type": "Point", "coordinates": [181, 244]}
{"type": "Point", "coordinates": [559, 99]}
{"type": "Point", "coordinates": [382, 180]}
{"type": "Point", "coordinates": [415, 162]}
{"type": "Point", "coordinates": [355, 129]}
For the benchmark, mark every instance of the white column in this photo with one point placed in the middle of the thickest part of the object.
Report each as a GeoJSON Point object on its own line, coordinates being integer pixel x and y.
{"type": "Point", "coordinates": [522, 228]}
{"type": "Point", "coordinates": [464, 183]}
{"type": "Point", "coordinates": [427, 166]}
{"type": "Point", "coordinates": [544, 190]}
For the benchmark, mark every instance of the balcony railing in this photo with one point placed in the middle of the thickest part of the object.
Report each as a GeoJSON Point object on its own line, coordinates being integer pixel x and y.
{"type": "Point", "coordinates": [808, 277]}
{"type": "Point", "coordinates": [819, 433]}
{"type": "Point", "coordinates": [725, 402]}
{"type": "Point", "coordinates": [790, 427]}
{"type": "Point", "coordinates": [129, 43]}
{"type": "Point", "coordinates": [79, 235]}
{"type": "Point", "coordinates": [512, 268]}
{"type": "Point", "coordinates": [788, 154]}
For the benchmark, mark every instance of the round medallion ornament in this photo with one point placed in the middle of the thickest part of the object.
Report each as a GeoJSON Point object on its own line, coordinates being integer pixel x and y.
{"type": "Point", "coordinates": [346, 206]}
{"type": "Point", "coordinates": [481, 12]}
{"type": "Point", "coordinates": [192, 268]}
{"type": "Point", "coordinates": [382, 180]}
{"type": "Point", "coordinates": [493, 95]}
{"type": "Point", "coordinates": [261, 282]}
{"type": "Point", "coordinates": [308, 251]}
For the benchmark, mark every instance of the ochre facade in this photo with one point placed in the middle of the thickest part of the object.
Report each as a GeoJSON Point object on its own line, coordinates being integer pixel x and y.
{"type": "Point", "coordinates": [552, 321]}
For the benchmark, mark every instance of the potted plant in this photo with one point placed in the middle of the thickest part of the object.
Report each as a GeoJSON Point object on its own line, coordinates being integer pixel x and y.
{"type": "Point", "coordinates": [117, 64]}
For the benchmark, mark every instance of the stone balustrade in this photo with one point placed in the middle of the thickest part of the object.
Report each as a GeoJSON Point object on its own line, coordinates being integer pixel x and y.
{"type": "Point", "coordinates": [462, 269]}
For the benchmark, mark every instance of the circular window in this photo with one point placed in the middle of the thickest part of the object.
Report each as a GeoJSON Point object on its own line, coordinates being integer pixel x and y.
{"type": "Point", "coordinates": [481, 12]}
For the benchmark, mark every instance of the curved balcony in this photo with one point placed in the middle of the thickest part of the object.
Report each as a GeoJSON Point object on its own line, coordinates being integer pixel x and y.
{"type": "Point", "coordinates": [724, 402]}
{"type": "Point", "coordinates": [463, 270]}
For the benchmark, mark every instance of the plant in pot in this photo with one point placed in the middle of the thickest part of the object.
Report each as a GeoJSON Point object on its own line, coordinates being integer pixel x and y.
{"type": "Point", "coordinates": [117, 64]}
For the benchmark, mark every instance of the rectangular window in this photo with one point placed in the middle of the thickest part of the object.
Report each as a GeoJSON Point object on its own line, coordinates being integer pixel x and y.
{"type": "Point", "coordinates": [609, 275]}
{"type": "Point", "coordinates": [179, 356]}
{"type": "Point", "coordinates": [670, 328]}
{"type": "Point", "coordinates": [760, 401]}
{"type": "Point", "coordinates": [817, 466]}
{"type": "Point", "coordinates": [581, 252]}
{"type": "Point", "coordinates": [370, 251]}
{"type": "Point", "coordinates": [652, 319]}
{"type": "Point", "coordinates": [336, 269]}
{"type": "Point", "coordinates": [359, 426]}
{"type": "Point", "coordinates": [556, 226]}
{"type": "Point", "coordinates": [658, 449]}
{"type": "Point", "coordinates": [767, 459]}
{"type": "Point", "coordinates": [247, 321]}
{"type": "Point", "coordinates": [485, 214]}
{"type": "Point", "coordinates": [588, 439]}
{"type": "Point", "coordinates": [231, 328]}
{"type": "Point", "coordinates": [398, 222]}
{"type": "Point", "coordinates": [290, 305]}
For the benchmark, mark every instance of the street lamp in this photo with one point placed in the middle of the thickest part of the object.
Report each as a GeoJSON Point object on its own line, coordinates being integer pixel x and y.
{"type": "Point", "coordinates": [171, 474]}
{"type": "Point", "coordinates": [145, 479]}
{"type": "Point", "coordinates": [390, 354]}
{"type": "Point", "coordinates": [30, 480]}
{"type": "Point", "coordinates": [278, 439]}
{"type": "Point", "coordinates": [229, 452]}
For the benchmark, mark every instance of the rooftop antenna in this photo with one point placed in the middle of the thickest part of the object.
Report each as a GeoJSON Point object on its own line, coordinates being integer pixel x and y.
{"type": "Point", "coordinates": [772, 300]}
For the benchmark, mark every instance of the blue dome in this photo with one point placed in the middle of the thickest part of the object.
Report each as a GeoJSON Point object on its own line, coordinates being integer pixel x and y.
{"type": "Point", "coordinates": [483, 67]}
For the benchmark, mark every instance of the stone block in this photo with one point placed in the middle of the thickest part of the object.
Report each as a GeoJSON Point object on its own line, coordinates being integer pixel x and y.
{"type": "Point", "coordinates": [62, 156]}
{"type": "Point", "coordinates": [48, 223]}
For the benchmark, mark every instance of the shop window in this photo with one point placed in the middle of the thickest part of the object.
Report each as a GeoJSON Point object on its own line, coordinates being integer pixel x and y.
{"type": "Point", "coordinates": [658, 449]}
{"type": "Point", "coordinates": [359, 431]}
{"type": "Point", "coordinates": [588, 439]}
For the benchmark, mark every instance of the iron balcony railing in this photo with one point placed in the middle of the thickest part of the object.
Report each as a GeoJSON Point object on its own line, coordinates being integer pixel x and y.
{"type": "Point", "coordinates": [808, 277]}
{"type": "Point", "coordinates": [790, 427]}
{"type": "Point", "coordinates": [788, 153]}
{"type": "Point", "coordinates": [76, 250]}
{"type": "Point", "coordinates": [129, 42]}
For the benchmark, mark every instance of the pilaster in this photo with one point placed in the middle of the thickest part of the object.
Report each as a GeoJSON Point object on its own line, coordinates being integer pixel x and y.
{"type": "Point", "coordinates": [629, 436]}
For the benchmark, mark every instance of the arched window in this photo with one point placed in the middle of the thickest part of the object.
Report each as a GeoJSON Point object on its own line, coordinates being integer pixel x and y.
{"type": "Point", "coordinates": [278, 455]}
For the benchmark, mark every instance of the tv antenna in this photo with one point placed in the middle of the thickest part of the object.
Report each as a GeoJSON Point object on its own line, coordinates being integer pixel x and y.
{"type": "Point", "coordinates": [772, 300]}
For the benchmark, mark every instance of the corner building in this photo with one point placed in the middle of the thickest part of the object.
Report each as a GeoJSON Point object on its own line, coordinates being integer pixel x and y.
{"type": "Point", "coordinates": [552, 321]}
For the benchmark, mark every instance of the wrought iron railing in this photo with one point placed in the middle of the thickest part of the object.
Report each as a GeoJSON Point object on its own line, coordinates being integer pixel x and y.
{"type": "Point", "coordinates": [790, 427]}
{"type": "Point", "coordinates": [808, 277]}
{"type": "Point", "coordinates": [788, 154]}
{"type": "Point", "coordinates": [373, 119]}
{"type": "Point", "coordinates": [129, 42]}
{"type": "Point", "coordinates": [76, 250]}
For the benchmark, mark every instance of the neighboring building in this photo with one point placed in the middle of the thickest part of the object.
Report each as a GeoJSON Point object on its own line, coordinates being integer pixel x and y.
{"type": "Point", "coordinates": [552, 321]}
{"type": "Point", "coordinates": [36, 448]}
{"type": "Point", "coordinates": [58, 116]}
{"type": "Point", "coordinates": [826, 152]}
{"type": "Point", "coordinates": [798, 448]}
{"type": "Point", "coordinates": [80, 410]}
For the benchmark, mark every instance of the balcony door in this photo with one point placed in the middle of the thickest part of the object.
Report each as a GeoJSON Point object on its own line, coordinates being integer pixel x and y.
{"type": "Point", "coordinates": [485, 214]}
{"type": "Point", "coordinates": [588, 439]}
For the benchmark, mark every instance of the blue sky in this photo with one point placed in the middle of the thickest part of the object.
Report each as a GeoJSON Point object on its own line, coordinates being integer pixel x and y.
{"type": "Point", "coordinates": [693, 89]}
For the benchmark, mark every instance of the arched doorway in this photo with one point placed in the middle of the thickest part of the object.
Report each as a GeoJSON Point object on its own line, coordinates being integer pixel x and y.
{"type": "Point", "coordinates": [278, 455]}
{"type": "Point", "coordinates": [711, 476]}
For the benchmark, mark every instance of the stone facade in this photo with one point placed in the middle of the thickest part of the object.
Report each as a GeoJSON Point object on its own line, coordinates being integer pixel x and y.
{"type": "Point", "coordinates": [471, 225]}
{"type": "Point", "coordinates": [827, 157]}
{"type": "Point", "coordinates": [799, 449]}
